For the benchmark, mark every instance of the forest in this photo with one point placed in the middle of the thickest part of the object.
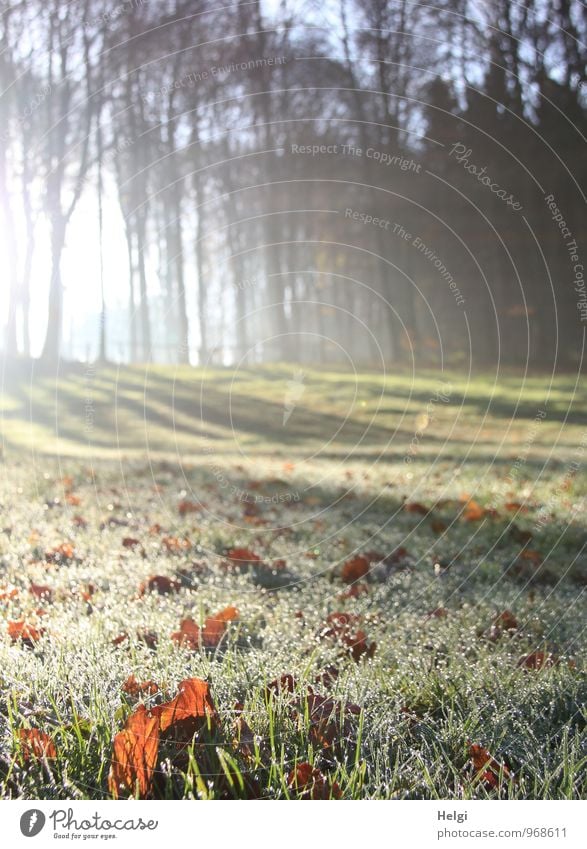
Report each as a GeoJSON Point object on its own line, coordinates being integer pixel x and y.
{"type": "Point", "coordinates": [383, 180]}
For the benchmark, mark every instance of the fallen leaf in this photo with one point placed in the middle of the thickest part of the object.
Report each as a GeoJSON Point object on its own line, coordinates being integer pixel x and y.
{"type": "Point", "coordinates": [41, 592]}
{"type": "Point", "coordinates": [355, 569]}
{"type": "Point", "coordinates": [62, 553]}
{"type": "Point", "coordinates": [20, 630]}
{"type": "Point", "coordinates": [538, 660]}
{"type": "Point", "coordinates": [160, 584]}
{"type": "Point", "coordinates": [174, 545]}
{"type": "Point", "coordinates": [191, 710]}
{"type": "Point", "coordinates": [36, 745]}
{"type": "Point", "coordinates": [186, 506]}
{"type": "Point", "coordinates": [487, 769]}
{"type": "Point", "coordinates": [137, 688]}
{"type": "Point", "coordinates": [215, 626]}
{"type": "Point", "coordinates": [134, 755]}
{"type": "Point", "coordinates": [309, 783]}
{"type": "Point", "coordinates": [243, 555]}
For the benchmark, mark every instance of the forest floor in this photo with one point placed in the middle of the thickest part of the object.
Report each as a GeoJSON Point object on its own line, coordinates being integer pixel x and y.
{"type": "Point", "coordinates": [381, 579]}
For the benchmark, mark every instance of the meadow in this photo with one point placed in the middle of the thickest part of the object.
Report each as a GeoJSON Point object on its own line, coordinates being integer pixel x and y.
{"type": "Point", "coordinates": [380, 579]}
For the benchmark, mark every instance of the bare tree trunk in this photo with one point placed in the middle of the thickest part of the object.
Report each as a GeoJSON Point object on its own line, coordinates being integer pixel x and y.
{"type": "Point", "coordinates": [10, 237]}
{"type": "Point", "coordinates": [55, 311]}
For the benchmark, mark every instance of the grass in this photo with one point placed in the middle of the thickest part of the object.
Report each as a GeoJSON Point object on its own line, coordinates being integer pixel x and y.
{"type": "Point", "coordinates": [120, 449]}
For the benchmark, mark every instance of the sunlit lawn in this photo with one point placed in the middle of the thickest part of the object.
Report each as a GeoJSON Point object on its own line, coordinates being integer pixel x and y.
{"type": "Point", "coordinates": [467, 505]}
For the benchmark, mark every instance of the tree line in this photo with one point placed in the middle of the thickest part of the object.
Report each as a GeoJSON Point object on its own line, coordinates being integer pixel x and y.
{"type": "Point", "coordinates": [373, 181]}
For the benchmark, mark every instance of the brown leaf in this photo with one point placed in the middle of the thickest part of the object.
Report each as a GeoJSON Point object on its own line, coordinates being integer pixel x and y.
{"type": "Point", "coordinates": [36, 745]}
{"type": "Point", "coordinates": [330, 721]}
{"type": "Point", "coordinates": [538, 660]}
{"type": "Point", "coordinates": [473, 512]}
{"type": "Point", "coordinates": [191, 710]}
{"type": "Point", "coordinates": [211, 633]}
{"type": "Point", "coordinates": [341, 627]}
{"type": "Point", "coordinates": [355, 590]}
{"type": "Point", "coordinates": [355, 569]}
{"type": "Point", "coordinates": [136, 688]}
{"type": "Point", "coordinates": [309, 783]}
{"type": "Point", "coordinates": [41, 592]}
{"type": "Point", "coordinates": [416, 507]}
{"type": "Point", "coordinates": [186, 506]}
{"type": "Point", "coordinates": [134, 755]}
{"type": "Point", "coordinates": [160, 584]}
{"type": "Point", "coordinates": [243, 555]}
{"type": "Point", "coordinates": [284, 684]}
{"type": "Point", "coordinates": [487, 769]}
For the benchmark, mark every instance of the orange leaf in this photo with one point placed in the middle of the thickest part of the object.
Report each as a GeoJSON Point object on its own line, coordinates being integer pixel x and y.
{"type": "Point", "coordinates": [176, 546]}
{"type": "Point", "coordinates": [60, 553]}
{"type": "Point", "coordinates": [8, 593]}
{"type": "Point", "coordinates": [188, 634]}
{"type": "Point", "coordinates": [473, 512]}
{"type": "Point", "coordinates": [189, 711]}
{"type": "Point", "coordinates": [27, 633]}
{"type": "Point", "coordinates": [134, 755]}
{"type": "Point", "coordinates": [215, 626]}
{"type": "Point", "coordinates": [36, 745]}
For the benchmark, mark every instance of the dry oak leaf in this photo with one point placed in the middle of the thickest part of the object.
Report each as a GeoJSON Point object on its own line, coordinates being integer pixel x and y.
{"type": "Point", "coordinates": [62, 553]}
{"type": "Point", "coordinates": [134, 755]}
{"type": "Point", "coordinates": [243, 555]}
{"type": "Point", "coordinates": [41, 592]}
{"type": "Point", "coordinates": [174, 545]}
{"type": "Point", "coordinates": [191, 710]}
{"type": "Point", "coordinates": [473, 512]}
{"type": "Point", "coordinates": [538, 660]}
{"type": "Point", "coordinates": [330, 721]}
{"type": "Point", "coordinates": [487, 769]}
{"type": "Point", "coordinates": [284, 684]}
{"type": "Point", "coordinates": [20, 630]}
{"type": "Point", "coordinates": [36, 745]}
{"type": "Point", "coordinates": [214, 628]}
{"type": "Point", "coordinates": [357, 589]}
{"type": "Point", "coordinates": [416, 507]}
{"type": "Point", "coordinates": [160, 584]}
{"type": "Point", "coordinates": [355, 569]}
{"type": "Point", "coordinates": [8, 593]}
{"type": "Point", "coordinates": [341, 626]}
{"type": "Point", "coordinates": [309, 783]}
{"type": "Point", "coordinates": [136, 688]}
{"type": "Point", "coordinates": [186, 506]}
